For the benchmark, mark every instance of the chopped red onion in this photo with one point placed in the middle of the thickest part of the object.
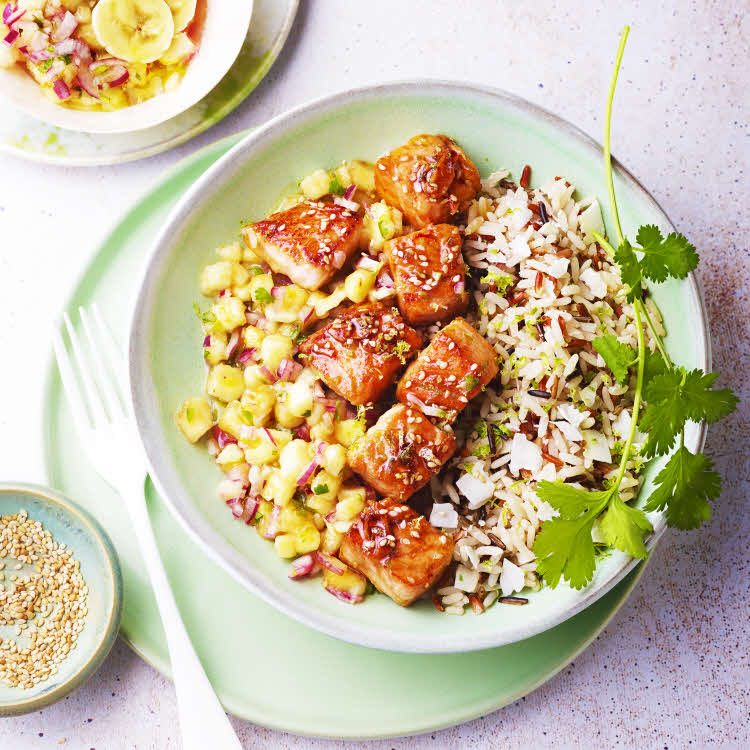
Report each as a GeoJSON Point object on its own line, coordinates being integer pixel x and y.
{"type": "Point", "coordinates": [251, 508]}
{"type": "Point", "coordinates": [339, 258]}
{"type": "Point", "coordinates": [57, 67]}
{"type": "Point", "coordinates": [344, 596]}
{"type": "Point", "coordinates": [61, 89]}
{"type": "Point", "coordinates": [330, 562]}
{"type": "Point", "coordinates": [7, 10]}
{"type": "Point", "coordinates": [277, 292]}
{"type": "Point", "coordinates": [234, 339]}
{"type": "Point", "coordinates": [246, 356]}
{"type": "Point", "coordinates": [349, 192]}
{"type": "Point", "coordinates": [366, 205]}
{"type": "Point", "coordinates": [268, 374]}
{"type": "Point", "coordinates": [86, 79]}
{"type": "Point", "coordinates": [39, 42]}
{"type": "Point", "coordinates": [280, 279]}
{"type": "Point", "coordinates": [255, 477]}
{"type": "Point", "coordinates": [303, 432]}
{"type": "Point", "coordinates": [221, 437]}
{"type": "Point", "coordinates": [252, 318]}
{"type": "Point", "coordinates": [305, 476]}
{"type": "Point", "coordinates": [273, 527]}
{"type": "Point", "coordinates": [206, 342]}
{"type": "Point", "coordinates": [344, 203]}
{"type": "Point", "coordinates": [303, 567]}
{"type": "Point", "coordinates": [270, 436]}
{"type": "Point", "coordinates": [384, 280]}
{"type": "Point", "coordinates": [65, 29]}
{"type": "Point", "coordinates": [14, 15]}
{"type": "Point", "coordinates": [306, 313]}
{"type": "Point", "coordinates": [236, 506]}
{"type": "Point", "coordinates": [10, 38]}
{"type": "Point", "coordinates": [458, 287]}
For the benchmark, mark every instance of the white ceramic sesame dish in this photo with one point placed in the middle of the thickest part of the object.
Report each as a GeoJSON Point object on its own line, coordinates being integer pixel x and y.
{"type": "Point", "coordinates": [495, 129]}
{"type": "Point", "coordinates": [223, 34]}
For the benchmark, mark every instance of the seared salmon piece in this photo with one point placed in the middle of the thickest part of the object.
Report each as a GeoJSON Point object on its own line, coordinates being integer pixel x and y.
{"type": "Point", "coordinates": [397, 549]}
{"type": "Point", "coordinates": [430, 179]}
{"type": "Point", "coordinates": [401, 452]}
{"type": "Point", "coordinates": [428, 269]}
{"type": "Point", "coordinates": [361, 351]}
{"type": "Point", "coordinates": [308, 242]}
{"type": "Point", "coordinates": [449, 372]}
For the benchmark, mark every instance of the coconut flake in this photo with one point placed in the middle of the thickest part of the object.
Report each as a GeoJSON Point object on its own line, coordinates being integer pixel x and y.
{"type": "Point", "coordinates": [444, 516]}
{"type": "Point", "coordinates": [518, 250]}
{"type": "Point", "coordinates": [476, 491]}
{"type": "Point", "coordinates": [524, 455]}
{"type": "Point", "coordinates": [466, 579]}
{"type": "Point", "coordinates": [590, 220]}
{"type": "Point", "coordinates": [570, 432]}
{"type": "Point", "coordinates": [570, 414]}
{"type": "Point", "coordinates": [597, 448]}
{"type": "Point", "coordinates": [594, 282]}
{"type": "Point", "coordinates": [511, 578]}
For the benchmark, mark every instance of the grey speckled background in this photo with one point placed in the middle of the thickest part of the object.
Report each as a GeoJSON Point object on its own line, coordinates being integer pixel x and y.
{"type": "Point", "coordinates": [671, 670]}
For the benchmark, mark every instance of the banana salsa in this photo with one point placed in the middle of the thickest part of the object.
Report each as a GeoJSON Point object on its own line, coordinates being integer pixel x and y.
{"type": "Point", "coordinates": [101, 55]}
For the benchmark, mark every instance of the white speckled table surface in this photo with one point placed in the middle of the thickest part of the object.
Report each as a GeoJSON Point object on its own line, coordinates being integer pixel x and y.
{"type": "Point", "coordinates": [672, 669]}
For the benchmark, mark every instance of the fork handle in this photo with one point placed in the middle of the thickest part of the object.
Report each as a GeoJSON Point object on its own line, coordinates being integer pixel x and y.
{"type": "Point", "coordinates": [203, 722]}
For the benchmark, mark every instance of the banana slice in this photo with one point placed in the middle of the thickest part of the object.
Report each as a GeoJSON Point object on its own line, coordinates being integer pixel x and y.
{"type": "Point", "coordinates": [134, 30]}
{"type": "Point", "coordinates": [182, 12]}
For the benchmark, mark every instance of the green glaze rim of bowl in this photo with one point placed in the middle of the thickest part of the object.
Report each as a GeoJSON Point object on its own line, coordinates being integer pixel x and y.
{"type": "Point", "coordinates": [83, 520]}
{"type": "Point", "coordinates": [220, 549]}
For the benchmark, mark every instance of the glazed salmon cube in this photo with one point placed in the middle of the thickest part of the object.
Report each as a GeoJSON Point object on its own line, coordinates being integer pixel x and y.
{"type": "Point", "coordinates": [360, 352]}
{"type": "Point", "coordinates": [397, 549]}
{"type": "Point", "coordinates": [428, 269]}
{"type": "Point", "coordinates": [430, 179]}
{"type": "Point", "coordinates": [401, 452]}
{"type": "Point", "coordinates": [308, 242]}
{"type": "Point", "coordinates": [449, 372]}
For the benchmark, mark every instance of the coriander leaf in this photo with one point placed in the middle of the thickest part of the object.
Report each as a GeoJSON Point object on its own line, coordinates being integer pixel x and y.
{"type": "Point", "coordinates": [564, 548]}
{"type": "Point", "coordinates": [673, 256]}
{"type": "Point", "coordinates": [654, 365]}
{"type": "Point", "coordinates": [630, 271]}
{"type": "Point", "coordinates": [662, 420]}
{"type": "Point", "coordinates": [623, 527]}
{"type": "Point", "coordinates": [703, 403]}
{"type": "Point", "coordinates": [569, 501]}
{"type": "Point", "coordinates": [674, 398]}
{"type": "Point", "coordinates": [263, 295]}
{"type": "Point", "coordinates": [618, 356]}
{"type": "Point", "coordinates": [685, 486]}
{"type": "Point", "coordinates": [320, 489]}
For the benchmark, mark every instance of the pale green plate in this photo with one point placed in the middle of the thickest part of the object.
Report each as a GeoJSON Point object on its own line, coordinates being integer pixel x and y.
{"type": "Point", "coordinates": [497, 130]}
{"type": "Point", "coordinates": [29, 138]}
{"type": "Point", "coordinates": [266, 667]}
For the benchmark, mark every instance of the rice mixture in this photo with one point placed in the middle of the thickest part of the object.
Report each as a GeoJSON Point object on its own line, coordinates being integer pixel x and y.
{"type": "Point", "coordinates": [544, 290]}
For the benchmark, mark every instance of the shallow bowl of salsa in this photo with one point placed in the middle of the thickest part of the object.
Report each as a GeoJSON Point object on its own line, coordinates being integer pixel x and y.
{"type": "Point", "coordinates": [115, 66]}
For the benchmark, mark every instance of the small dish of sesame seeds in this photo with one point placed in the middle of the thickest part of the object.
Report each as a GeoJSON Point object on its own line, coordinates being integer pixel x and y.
{"type": "Point", "coordinates": [60, 597]}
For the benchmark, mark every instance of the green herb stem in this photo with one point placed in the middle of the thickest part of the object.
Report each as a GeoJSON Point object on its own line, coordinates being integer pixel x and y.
{"type": "Point", "coordinates": [607, 128]}
{"type": "Point", "coordinates": [636, 400]}
{"type": "Point", "coordinates": [654, 334]}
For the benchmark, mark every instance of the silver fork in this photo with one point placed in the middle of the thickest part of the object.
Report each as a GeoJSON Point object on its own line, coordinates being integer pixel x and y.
{"type": "Point", "coordinates": [95, 387]}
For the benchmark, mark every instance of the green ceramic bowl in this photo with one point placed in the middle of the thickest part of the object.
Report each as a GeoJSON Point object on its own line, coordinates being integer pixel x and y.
{"type": "Point", "coordinates": [100, 568]}
{"type": "Point", "coordinates": [497, 130]}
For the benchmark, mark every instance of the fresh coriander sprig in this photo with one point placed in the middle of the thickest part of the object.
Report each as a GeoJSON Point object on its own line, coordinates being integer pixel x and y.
{"type": "Point", "coordinates": [674, 396]}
